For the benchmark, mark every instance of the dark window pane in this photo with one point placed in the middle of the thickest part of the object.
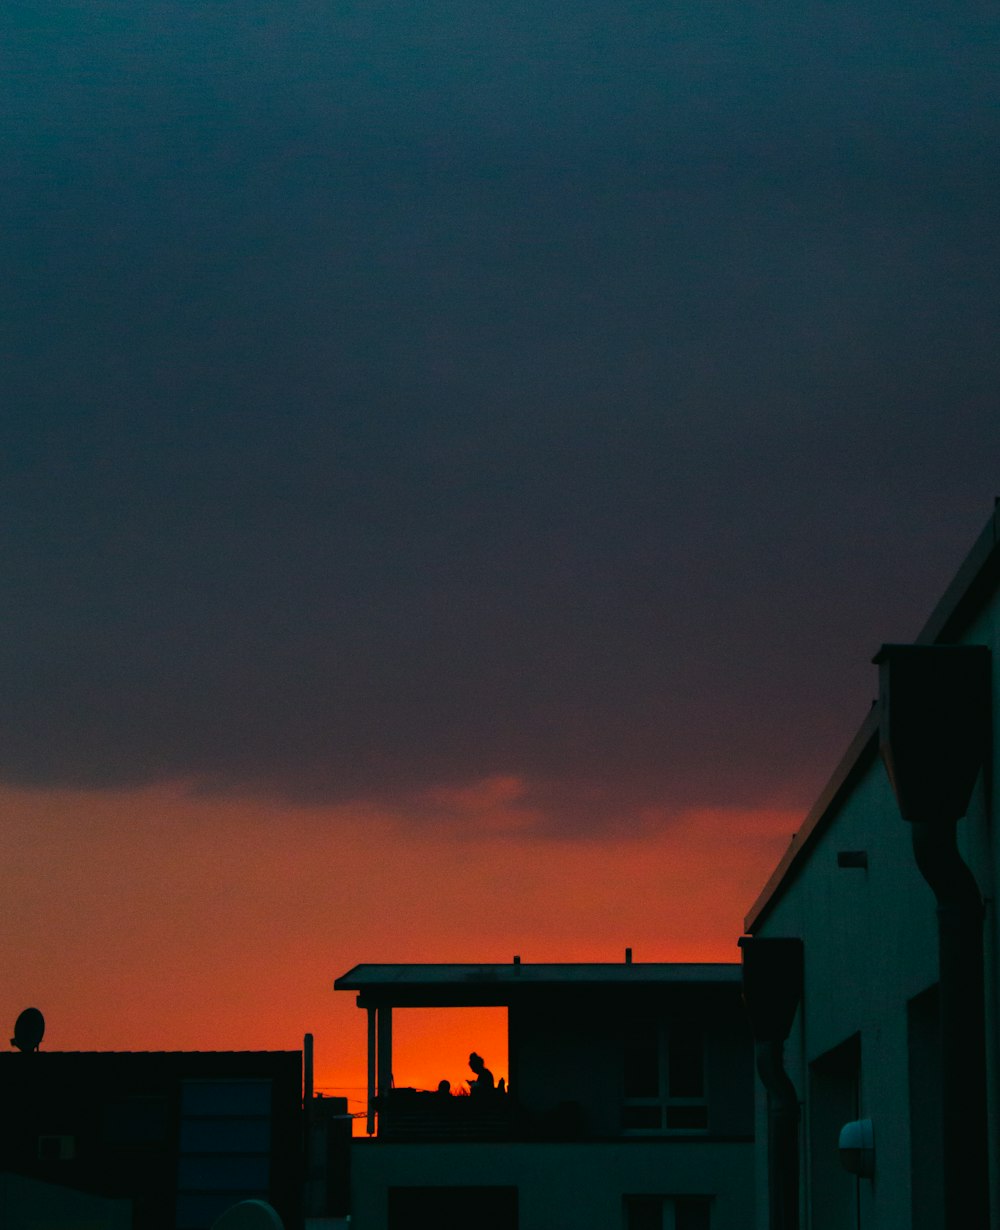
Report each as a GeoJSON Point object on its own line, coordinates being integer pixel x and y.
{"type": "Point", "coordinates": [692, 1212]}
{"type": "Point", "coordinates": [226, 1136]}
{"type": "Point", "coordinates": [641, 1117]}
{"type": "Point", "coordinates": [223, 1174]}
{"type": "Point", "coordinates": [687, 1116]}
{"type": "Point", "coordinates": [453, 1208]}
{"type": "Point", "coordinates": [642, 1063]}
{"type": "Point", "coordinates": [687, 1061]}
{"type": "Point", "coordinates": [643, 1213]}
{"type": "Point", "coordinates": [237, 1097]}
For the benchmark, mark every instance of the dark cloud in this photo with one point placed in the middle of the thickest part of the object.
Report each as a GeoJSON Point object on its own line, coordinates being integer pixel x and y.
{"type": "Point", "coordinates": [405, 394]}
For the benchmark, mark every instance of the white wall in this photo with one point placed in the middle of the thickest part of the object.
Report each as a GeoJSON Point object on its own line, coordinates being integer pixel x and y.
{"type": "Point", "coordinates": [562, 1186]}
{"type": "Point", "coordinates": [870, 940]}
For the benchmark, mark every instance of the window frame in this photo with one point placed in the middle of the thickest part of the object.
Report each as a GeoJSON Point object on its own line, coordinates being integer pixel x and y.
{"type": "Point", "coordinates": [663, 1100]}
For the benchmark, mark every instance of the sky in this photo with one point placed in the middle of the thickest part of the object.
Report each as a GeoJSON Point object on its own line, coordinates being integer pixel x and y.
{"type": "Point", "coordinates": [458, 461]}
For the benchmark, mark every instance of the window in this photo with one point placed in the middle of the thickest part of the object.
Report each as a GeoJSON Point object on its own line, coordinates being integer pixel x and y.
{"type": "Point", "coordinates": [668, 1212]}
{"type": "Point", "coordinates": [664, 1078]}
{"type": "Point", "coordinates": [452, 1208]}
{"type": "Point", "coordinates": [225, 1147]}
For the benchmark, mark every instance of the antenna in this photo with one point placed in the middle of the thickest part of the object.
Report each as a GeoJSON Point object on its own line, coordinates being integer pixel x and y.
{"type": "Point", "coordinates": [28, 1030]}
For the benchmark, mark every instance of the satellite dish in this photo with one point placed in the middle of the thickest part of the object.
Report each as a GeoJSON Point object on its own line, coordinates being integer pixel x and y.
{"type": "Point", "coordinates": [28, 1030]}
{"type": "Point", "coordinates": [249, 1215]}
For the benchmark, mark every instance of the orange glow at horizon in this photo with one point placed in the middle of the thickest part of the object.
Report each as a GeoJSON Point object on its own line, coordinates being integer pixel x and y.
{"type": "Point", "coordinates": [160, 919]}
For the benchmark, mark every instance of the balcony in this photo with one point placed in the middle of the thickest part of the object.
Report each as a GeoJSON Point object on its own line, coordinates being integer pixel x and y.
{"type": "Point", "coordinates": [412, 1114]}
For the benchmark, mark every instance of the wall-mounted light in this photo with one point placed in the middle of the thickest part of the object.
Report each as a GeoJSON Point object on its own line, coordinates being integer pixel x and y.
{"type": "Point", "coordinates": [857, 1147]}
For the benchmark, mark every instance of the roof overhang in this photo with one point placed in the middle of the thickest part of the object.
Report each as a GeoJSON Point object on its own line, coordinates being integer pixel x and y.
{"type": "Point", "coordinates": [483, 986]}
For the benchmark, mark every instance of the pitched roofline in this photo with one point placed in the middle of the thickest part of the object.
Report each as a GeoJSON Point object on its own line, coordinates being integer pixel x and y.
{"type": "Point", "coordinates": [970, 588]}
{"type": "Point", "coordinates": [852, 765]}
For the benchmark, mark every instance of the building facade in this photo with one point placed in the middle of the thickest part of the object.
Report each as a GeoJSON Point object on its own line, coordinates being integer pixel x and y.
{"type": "Point", "coordinates": [178, 1136]}
{"type": "Point", "coordinates": [629, 1105]}
{"type": "Point", "coordinates": [885, 902]}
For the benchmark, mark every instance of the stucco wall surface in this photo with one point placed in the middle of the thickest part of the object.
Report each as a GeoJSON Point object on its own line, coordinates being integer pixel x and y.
{"type": "Point", "coordinates": [561, 1186]}
{"type": "Point", "coordinates": [870, 947]}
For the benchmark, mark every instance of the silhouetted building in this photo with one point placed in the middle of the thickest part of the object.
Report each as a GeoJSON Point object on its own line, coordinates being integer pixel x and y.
{"type": "Point", "coordinates": [328, 1161]}
{"type": "Point", "coordinates": [629, 1102]}
{"type": "Point", "coordinates": [180, 1135]}
{"type": "Point", "coordinates": [865, 958]}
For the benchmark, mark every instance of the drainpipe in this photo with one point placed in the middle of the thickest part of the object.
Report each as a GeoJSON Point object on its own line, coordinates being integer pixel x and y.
{"type": "Point", "coordinates": [772, 991]}
{"type": "Point", "coordinates": [933, 735]}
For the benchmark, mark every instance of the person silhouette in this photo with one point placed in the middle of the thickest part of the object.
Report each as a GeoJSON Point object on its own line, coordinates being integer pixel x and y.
{"type": "Point", "coordinates": [483, 1082]}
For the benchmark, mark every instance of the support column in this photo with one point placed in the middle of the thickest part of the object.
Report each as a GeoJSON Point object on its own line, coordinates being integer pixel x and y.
{"type": "Point", "coordinates": [371, 1071]}
{"type": "Point", "coordinates": [384, 1051]}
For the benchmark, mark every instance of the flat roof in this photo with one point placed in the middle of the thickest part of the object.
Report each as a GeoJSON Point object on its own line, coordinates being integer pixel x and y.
{"type": "Point", "coordinates": [43, 1050]}
{"type": "Point", "coordinates": [494, 984]}
{"type": "Point", "coordinates": [968, 592]}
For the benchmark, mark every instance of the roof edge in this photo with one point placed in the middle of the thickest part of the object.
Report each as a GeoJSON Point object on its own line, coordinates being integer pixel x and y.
{"type": "Point", "coordinates": [852, 764]}
{"type": "Point", "coordinates": [366, 976]}
{"type": "Point", "coordinates": [970, 587]}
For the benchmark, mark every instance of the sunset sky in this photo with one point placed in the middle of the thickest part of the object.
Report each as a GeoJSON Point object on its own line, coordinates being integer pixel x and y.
{"type": "Point", "coordinates": [459, 459]}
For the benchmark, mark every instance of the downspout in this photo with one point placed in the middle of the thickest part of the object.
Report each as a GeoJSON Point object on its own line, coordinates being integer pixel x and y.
{"type": "Point", "coordinates": [772, 990]}
{"type": "Point", "coordinates": [933, 735]}
{"type": "Point", "coordinates": [960, 914]}
{"type": "Point", "coordinates": [782, 1137]}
